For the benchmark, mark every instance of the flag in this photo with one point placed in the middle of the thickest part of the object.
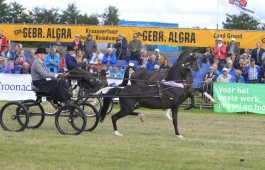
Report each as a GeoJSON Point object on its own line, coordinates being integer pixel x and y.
{"type": "Point", "coordinates": [241, 5]}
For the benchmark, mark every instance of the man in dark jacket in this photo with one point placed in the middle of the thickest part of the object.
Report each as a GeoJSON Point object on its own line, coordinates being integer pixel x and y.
{"type": "Point", "coordinates": [121, 46]}
{"type": "Point", "coordinates": [232, 48]}
{"type": "Point", "coordinates": [90, 46]}
{"type": "Point", "coordinates": [135, 47]}
{"type": "Point", "coordinates": [257, 54]}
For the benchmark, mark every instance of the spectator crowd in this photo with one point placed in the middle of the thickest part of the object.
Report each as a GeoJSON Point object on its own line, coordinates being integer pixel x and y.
{"type": "Point", "coordinates": [226, 63]}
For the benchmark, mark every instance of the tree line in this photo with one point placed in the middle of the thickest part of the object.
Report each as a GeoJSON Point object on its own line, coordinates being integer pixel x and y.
{"type": "Point", "coordinates": [14, 12]}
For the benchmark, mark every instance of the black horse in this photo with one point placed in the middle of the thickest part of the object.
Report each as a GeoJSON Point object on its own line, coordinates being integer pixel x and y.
{"type": "Point", "coordinates": [144, 76]}
{"type": "Point", "coordinates": [160, 96]}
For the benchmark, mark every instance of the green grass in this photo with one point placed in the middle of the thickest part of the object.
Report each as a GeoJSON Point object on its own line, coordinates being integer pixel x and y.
{"type": "Point", "coordinates": [212, 141]}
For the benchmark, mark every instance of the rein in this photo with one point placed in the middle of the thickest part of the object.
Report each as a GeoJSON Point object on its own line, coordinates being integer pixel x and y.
{"type": "Point", "coordinates": [136, 94]}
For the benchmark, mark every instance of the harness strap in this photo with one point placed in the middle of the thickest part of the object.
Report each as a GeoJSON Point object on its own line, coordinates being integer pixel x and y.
{"type": "Point", "coordinates": [160, 93]}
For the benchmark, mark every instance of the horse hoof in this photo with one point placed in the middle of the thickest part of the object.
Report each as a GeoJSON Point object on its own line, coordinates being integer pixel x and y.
{"type": "Point", "coordinates": [180, 137]}
{"type": "Point", "coordinates": [142, 118]}
{"type": "Point", "coordinates": [169, 118]}
{"type": "Point", "coordinates": [117, 133]}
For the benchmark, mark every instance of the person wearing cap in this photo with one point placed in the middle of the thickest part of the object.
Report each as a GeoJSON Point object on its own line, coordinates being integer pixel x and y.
{"type": "Point", "coordinates": [220, 51]}
{"type": "Point", "coordinates": [224, 77]}
{"type": "Point", "coordinates": [237, 78]}
{"type": "Point", "coordinates": [109, 57]}
{"type": "Point", "coordinates": [257, 53]}
{"type": "Point", "coordinates": [77, 43]}
{"type": "Point", "coordinates": [135, 47]}
{"type": "Point", "coordinates": [151, 64]}
{"type": "Point", "coordinates": [232, 48]}
{"type": "Point", "coordinates": [159, 57]}
{"type": "Point", "coordinates": [121, 46]}
{"type": "Point", "coordinates": [253, 72]}
{"type": "Point", "coordinates": [75, 70]}
{"type": "Point", "coordinates": [90, 46]}
{"type": "Point", "coordinates": [44, 79]}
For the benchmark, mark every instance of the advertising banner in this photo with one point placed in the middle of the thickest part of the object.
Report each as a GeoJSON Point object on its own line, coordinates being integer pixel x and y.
{"type": "Point", "coordinates": [235, 97]}
{"type": "Point", "coordinates": [18, 86]}
{"type": "Point", "coordinates": [15, 87]}
{"type": "Point", "coordinates": [148, 35]}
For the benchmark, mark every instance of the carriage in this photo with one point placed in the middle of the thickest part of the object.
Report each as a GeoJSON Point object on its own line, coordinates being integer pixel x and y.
{"type": "Point", "coordinates": [72, 119]}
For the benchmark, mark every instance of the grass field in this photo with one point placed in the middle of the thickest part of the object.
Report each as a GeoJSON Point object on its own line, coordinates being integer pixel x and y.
{"type": "Point", "coordinates": [212, 141]}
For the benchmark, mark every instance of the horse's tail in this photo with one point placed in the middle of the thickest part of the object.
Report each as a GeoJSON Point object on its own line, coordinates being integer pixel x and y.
{"type": "Point", "coordinates": [107, 101]}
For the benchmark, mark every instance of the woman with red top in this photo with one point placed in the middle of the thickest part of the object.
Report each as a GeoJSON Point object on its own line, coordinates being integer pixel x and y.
{"type": "Point", "coordinates": [220, 51]}
{"type": "Point", "coordinates": [3, 42]}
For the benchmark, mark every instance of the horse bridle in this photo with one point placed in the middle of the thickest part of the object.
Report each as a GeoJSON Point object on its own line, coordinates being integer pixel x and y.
{"type": "Point", "coordinates": [188, 63]}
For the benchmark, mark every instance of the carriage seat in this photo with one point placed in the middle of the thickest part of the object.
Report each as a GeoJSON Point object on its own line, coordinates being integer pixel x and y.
{"type": "Point", "coordinates": [40, 92]}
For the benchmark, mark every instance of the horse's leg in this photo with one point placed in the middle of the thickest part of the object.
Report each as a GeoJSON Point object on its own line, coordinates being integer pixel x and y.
{"type": "Point", "coordinates": [141, 115]}
{"type": "Point", "coordinates": [168, 114]}
{"type": "Point", "coordinates": [189, 106]}
{"type": "Point", "coordinates": [116, 117]}
{"type": "Point", "coordinates": [175, 121]}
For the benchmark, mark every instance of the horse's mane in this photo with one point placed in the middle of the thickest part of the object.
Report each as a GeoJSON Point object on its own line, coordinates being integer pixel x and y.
{"type": "Point", "coordinates": [183, 55]}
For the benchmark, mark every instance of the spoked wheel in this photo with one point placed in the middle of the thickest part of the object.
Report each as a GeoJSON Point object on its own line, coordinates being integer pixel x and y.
{"type": "Point", "coordinates": [14, 117]}
{"type": "Point", "coordinates": [36, 113]}
{"type": "Point", "coordinates": [92, 115]}
{"type": "Point", "coordinates": [70, 120]}
{"type": "Point", "coordinates": [96, 102]}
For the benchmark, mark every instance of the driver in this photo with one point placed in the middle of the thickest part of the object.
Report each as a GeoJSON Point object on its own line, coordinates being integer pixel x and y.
{"type": "Point", "coordinates": [43, 79]}
{"type": "Point", "coordinates": [75, 71]}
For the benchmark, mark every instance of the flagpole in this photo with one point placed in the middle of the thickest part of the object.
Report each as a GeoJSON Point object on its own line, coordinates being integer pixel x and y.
{"type": "Point", "coordinates": [217, 14]}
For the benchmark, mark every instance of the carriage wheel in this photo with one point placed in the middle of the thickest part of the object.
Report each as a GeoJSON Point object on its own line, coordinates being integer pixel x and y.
{"type": "Point", "coordinates": [36, 114]}
{"type": "Point", "coordinates": [92, 115]}
{"type": "Point", "coordinates": [70, 120]}
{"type": "Point", "coordinates": [14, 117]}
{"type": "Point", "coordinates": [96, 102]}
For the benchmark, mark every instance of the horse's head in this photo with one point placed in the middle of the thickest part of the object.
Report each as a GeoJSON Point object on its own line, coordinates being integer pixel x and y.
{"type": "Point", "coordinates": [189, 58]}
{"type": "Point", "coordinates": [186, 60]}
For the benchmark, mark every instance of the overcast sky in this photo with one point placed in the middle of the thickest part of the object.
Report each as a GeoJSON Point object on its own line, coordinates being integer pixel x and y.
{"type": "Point", "coordinates": [187, 13]}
